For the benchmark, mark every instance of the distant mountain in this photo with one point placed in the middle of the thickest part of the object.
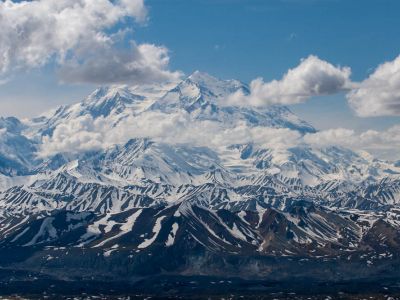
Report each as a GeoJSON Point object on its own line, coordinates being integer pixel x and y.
{"type": "Point", "coordinates": [149, 206]}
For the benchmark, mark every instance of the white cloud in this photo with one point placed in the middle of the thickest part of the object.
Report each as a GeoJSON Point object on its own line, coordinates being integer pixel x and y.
{"type": "Point", "coordinates": [338, 136]}
{"type": "Point", "coordinates": [85, 134]}
{"type": "Point", "coordinates": [383, 144]}
{"type": "Point", "coordinates": [379, 94]}
{"type": "Point", "coordinates": [312, 77]}
{"type": "Point", "coordinates": [140, 64]}
{"type": "Point", "coordinates": [75, 33]}
{"type": "Point", "coordinates": [386, 142]}
{"type": "Point", "coordinates": [77, 135]}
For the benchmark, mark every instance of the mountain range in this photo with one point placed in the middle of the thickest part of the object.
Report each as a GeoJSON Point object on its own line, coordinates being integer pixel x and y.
{"type": "Point", "coordinates": [148, 204]}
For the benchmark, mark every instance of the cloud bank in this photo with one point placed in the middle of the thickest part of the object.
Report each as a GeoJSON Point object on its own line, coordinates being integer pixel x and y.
{"type": "Point", "coordinates": [82, 37]}
{"type": "Point", "coordinates": [383, 143]}
{"type": "Point", "coordinates": [85, 134]}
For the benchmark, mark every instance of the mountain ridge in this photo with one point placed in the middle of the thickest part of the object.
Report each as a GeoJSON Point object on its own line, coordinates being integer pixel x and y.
{"type": "Point", "coordinates": [143, 199]}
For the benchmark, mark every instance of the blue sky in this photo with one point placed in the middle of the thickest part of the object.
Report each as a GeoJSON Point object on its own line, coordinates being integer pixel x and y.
{"type": "Point", "coordinates": [244, 40]}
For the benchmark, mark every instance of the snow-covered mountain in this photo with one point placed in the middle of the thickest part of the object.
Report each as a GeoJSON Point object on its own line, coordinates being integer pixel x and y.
{"type": "Point", "coordinates": [17, 152]}
{"type": "Point", "coordinates": [298, 170]}
{"type": "Point", "coordinates": [149, 195]}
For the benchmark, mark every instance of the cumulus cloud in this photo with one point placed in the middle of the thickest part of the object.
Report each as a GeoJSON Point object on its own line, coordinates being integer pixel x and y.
{"type": "Point", "coordinates": [379, 94]}
{"type": "Point", "coordinates": [82, 37]}
{"type": "Point", "coordinates": [77, 135]}
{"type": "Point", "coordinates": [312, 77]}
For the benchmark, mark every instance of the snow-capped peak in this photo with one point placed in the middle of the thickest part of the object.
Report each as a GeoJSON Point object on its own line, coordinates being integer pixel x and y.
{"type": "Point", "coordinates": [202, 77]}
{"type": "Point", "coordinates": [111, 92]}
{"type": "Point", "coordinates": [218, 87]}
